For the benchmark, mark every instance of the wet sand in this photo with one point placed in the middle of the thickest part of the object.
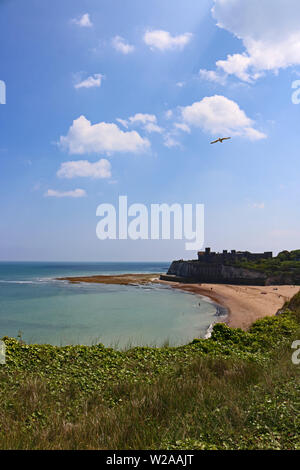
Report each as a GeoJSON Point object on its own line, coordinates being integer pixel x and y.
{"type": "Point", "coordinates": [245, 304]}
{"type": "Point", "coordinates": [121, 279]}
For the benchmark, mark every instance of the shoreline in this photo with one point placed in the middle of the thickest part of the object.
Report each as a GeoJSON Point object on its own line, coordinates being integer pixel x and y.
{"type": "Point", "coordinates": [243, 304]}
{"type": "Point", "coordinates": [222, 311]}
{"type": "Point", "coordinates": [120, 279]}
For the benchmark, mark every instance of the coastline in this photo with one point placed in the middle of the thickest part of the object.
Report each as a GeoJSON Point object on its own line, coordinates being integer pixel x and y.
{"type": "Point", "coordinates": [121, 279]}
{"type": "Point", "coordinates": [243, 304]}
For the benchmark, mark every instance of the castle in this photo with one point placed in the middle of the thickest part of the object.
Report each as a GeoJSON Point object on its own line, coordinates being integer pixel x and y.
{"type": "Point", "coordinates": [219, 268]}
{"type": "Point", "coordinates": [209, 256]}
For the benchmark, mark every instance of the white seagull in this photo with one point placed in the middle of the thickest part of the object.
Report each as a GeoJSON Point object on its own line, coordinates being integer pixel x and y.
{"type": "Point", "coordinates": [220, 140]}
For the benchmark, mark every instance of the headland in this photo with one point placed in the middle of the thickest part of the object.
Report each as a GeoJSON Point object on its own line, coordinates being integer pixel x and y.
{"type": "Point", "coordinates": [238, 267]}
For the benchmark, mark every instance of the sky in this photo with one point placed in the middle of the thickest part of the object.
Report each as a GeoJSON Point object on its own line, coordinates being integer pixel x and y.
{"type": "Point", "coordinates": [105, 99]}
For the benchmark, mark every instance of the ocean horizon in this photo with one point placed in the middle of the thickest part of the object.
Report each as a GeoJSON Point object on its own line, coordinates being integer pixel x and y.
{"type": "Point", "coordinates": [40, 309]}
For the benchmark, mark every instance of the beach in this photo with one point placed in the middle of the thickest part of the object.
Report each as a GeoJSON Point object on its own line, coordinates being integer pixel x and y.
{"type": "Point", "coordinates": [244, 304]}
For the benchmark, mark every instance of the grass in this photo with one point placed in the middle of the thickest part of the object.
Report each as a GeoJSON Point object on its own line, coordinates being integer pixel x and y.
{"type": "Point", "coordinates": [236, 390]}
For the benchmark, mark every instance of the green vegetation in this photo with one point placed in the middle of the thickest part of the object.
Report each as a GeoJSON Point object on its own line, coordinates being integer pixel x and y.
{"type": "Point", "coordinates": [285, 266]}
{"type": "Point", "coordinates": [236, 390]}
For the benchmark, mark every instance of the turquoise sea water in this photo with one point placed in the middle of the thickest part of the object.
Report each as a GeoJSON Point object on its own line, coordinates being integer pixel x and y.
{"type": "Point", "coordinates": [56, 312]}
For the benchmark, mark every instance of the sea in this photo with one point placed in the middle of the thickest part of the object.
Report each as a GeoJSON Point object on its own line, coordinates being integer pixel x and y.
{"type": "Point", "coordinates": [37, 308]}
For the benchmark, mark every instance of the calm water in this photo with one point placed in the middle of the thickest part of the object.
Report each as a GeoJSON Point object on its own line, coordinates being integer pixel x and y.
{"type": "Point", "coordinates": [48, 311]}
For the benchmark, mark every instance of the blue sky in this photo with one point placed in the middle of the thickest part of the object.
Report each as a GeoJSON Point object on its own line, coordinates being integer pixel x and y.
{"type": "Point", "coordinates": [123, 98]}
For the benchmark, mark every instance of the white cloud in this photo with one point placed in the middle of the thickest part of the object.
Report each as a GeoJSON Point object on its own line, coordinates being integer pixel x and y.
{"type": "Point", "coordinates": [90, 82]}
{"type": "Point", "coordinates": [269, 30]}
{"type": "Point", "coordinates": [84, 21]}
{"type": "Point", "coordinates": [121, 45]}
{"type": "Point", "coordinates": [220, 115]}
{"type": "Point", "coordinates": [171, 137]}
{"type": "Point", "coordinates": [151, 127]}
{"type": "Point", "coordinates": [212, 76]}
{"type": "Point", "coordinates": [84, 137]}
{"type": "Point", "coordinates": [75, 193]}
{"type": "Point", "coordinates": [170, 142]}
{"type": "Point", "coordinates": [254, 134]}
{"type": "Point", "coordinates": [148, 121]}
{"type": "Point", "coordinates": [169, 114]}
{"type": "Point", "coordinates": [123, 122]}
{"type": "Point", "coordinates": [142, 118]}
{"type": "Point", "coordinates": [163, 40]}
{"type": "Point", "coordinates": [236, 64]}
{"type": "Point", "coordinates": [180, 84]}
{"type": "Point", "coordinates": [85, 169]}
{"type": "Point", "coordinates": [182, 127]}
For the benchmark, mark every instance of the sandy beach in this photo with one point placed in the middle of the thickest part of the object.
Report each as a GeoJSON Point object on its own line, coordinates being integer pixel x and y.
{"type": "Point", "coordinates": [245, 304]}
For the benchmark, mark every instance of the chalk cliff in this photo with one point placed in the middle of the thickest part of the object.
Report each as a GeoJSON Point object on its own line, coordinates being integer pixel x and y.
{"type": "Point", "coordinates": [238, 267]}
{"type": "Point", "coordinates": [193, 271]}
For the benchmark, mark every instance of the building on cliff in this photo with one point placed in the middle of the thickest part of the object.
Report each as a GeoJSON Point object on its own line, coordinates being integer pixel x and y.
{"type": "Point", "coordinates": [209, 256]}
{"type": "Point", "coordinates": [211, 267]}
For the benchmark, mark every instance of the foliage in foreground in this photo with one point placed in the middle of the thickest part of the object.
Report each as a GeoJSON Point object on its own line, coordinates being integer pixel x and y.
{"type": "Point", "coordinates": [236, 390]}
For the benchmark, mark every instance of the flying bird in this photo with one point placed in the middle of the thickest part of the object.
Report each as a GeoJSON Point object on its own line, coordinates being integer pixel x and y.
{"type": "Point", "coordinates": [220, 140]}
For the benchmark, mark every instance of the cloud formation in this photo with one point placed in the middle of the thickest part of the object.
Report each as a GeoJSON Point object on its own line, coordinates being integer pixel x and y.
{"type": "Point", "coordinates": [170, 141]}
{"type": "Point", "coordinates": [85, 169]}
{"type": "Point", "coordinates": [83, 21]}
{"type": "Point", "coordinates": [269, 30]}
{"type": "Point", "coordinates": [218, 115]}
{"type": "Point", "coordinates": [90, 82]}
{"type": "Point", "coordinates": [163, 40]}
{"type": "Point", "coordinates": [182, 127]}
{"type": "Point", "coordinates": [212, 76]}
{"type": "Point", "coordinates": [148, 121]}
{"type": "Point", "coordinates": [84, 137]}
{"type": "Point", "coordinates": [75, 193]}
{"type": "Point", "coordinates": [121, 45]}
{"type": "Point", "coordinates": [152, 127]}
{"type": "Point", "coordinates": [142, 118]}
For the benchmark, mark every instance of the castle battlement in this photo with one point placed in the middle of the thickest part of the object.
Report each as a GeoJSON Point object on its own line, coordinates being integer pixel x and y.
{"type": "Point", "coordinates": [209, 256]}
